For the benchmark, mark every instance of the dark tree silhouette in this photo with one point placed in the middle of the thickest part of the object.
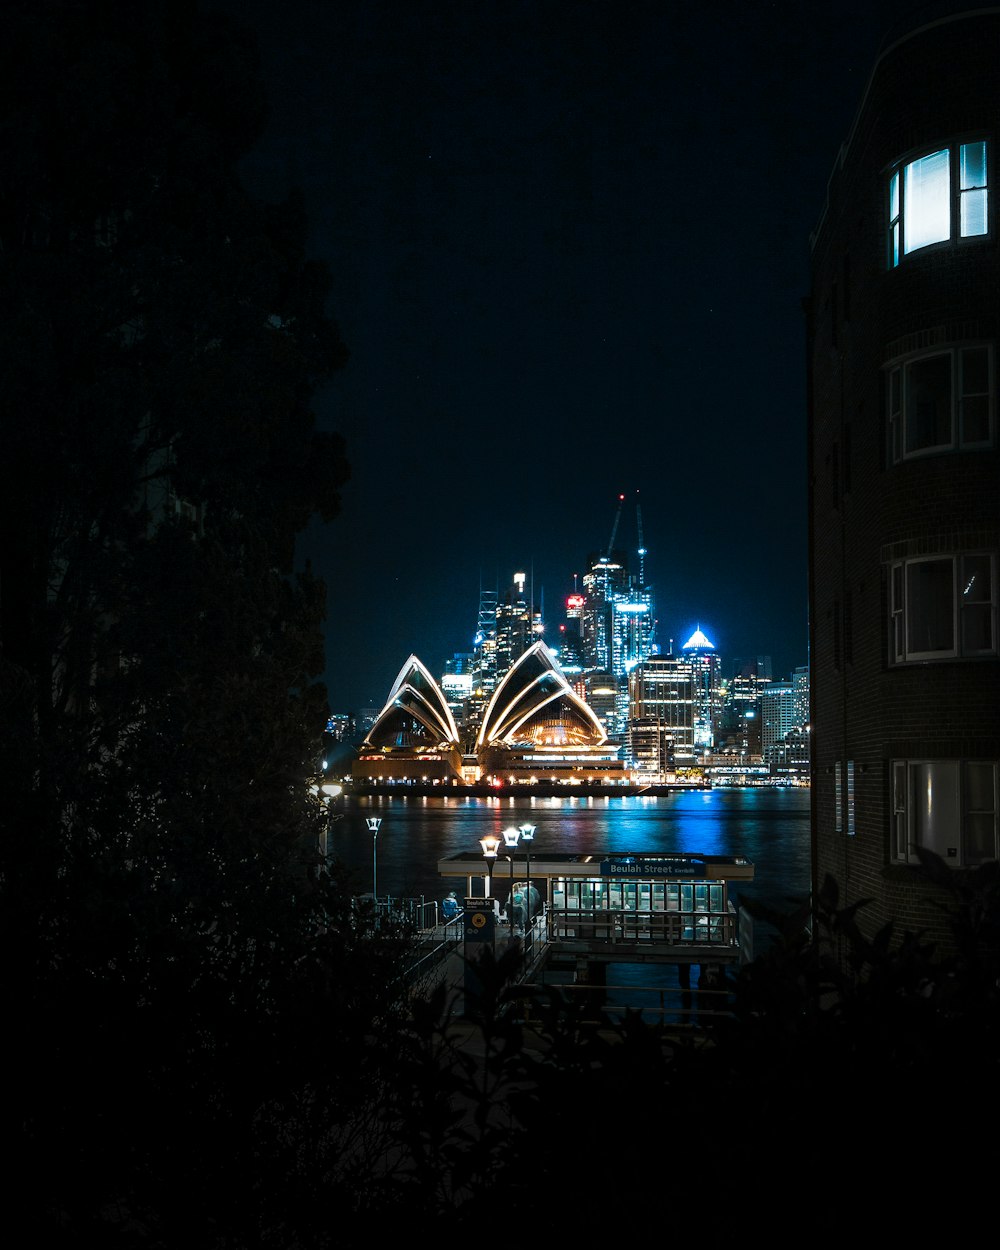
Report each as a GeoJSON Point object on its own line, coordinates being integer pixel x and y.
{"type": "Point", "coordinates": [181, 975]}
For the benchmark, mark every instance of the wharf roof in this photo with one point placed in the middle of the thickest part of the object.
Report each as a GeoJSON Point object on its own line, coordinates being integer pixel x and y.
{"type": "Point", "coordinates": [626, 865]}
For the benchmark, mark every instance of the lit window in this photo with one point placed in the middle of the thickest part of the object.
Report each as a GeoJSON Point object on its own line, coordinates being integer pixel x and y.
{"type": "Point", "coordinates": [941, 402]}
{"type": "Point", "coordinates": [972, 190]}
{"type": "Point", "coordinates": [929, 195]}
{"type": "Point", "coordinates": [945, 806]}
{"type": "Point", "coordinates": [838, 798]}
{"type": "Point", "coordinates": [926, 201]}
{"type": "Point", "coordinates": [942, 607]}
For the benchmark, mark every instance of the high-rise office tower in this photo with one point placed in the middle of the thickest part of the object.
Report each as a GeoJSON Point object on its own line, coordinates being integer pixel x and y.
{"type": "Point", "coordinates": [903, 326]}
{"type": "Point", "coordinates": [605, 581]}
{"type": "Point", "coordinates": [778, 717]}
{"type": "Point", "coordinates": [740, 728]}
{"type": "Point", "coordinates": [518, 625]}
{"type": "Point", "coordinates": [663, 701]}
{"type": "Point", "coordinates": [484, 656]}
{"type": "Point", "coordinates": [618, 619]}
{"type": "Point", "coordinates": [706, 672]}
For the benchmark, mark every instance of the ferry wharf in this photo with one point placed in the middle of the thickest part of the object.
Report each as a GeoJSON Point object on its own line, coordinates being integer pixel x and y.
{"type": "Point", "coordinates": [575, 917]}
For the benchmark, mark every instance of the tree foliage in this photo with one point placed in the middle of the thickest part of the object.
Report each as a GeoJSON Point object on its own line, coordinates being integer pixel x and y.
{"type": "Point", "coordinates": [179, 967]}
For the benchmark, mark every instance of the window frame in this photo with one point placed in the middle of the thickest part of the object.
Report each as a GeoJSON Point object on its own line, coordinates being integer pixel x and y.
{"type": "Point", "coordinates": [907, 815]}
{"type": "Point", "coordinates": [901, 382]}
{"type": "Point", "coordinates": [901, 608]}
{"type": "Point", "coordinates": [957, 153]}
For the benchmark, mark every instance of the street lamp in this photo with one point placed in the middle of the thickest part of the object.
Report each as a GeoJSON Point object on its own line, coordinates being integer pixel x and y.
{"type": "Point", "coordinates": [511, 837]}
{"type": "Point", "coordinates": [373, 823]}
{"type": "Point", "coordinates": [330, 791]}
{"type": "Point", "coordinates": [527, 835]}
{"type": "Point", "coordinates": [490, 845]}
{"type": "Point", "coordinates": [325, 792]}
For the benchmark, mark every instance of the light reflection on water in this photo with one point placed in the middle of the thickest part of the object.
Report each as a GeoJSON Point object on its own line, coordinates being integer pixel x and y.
{"type": "Point", "coordinates": [768, 826]}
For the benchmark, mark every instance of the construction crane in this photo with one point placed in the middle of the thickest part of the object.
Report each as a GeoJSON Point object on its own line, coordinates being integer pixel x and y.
{"type": "Point", "coordinates": [614, 528]}
{"type": "Point", "coordinates": [642, 549]}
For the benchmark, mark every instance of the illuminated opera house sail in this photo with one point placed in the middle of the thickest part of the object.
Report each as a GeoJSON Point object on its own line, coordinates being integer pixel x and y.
{"type": "Point", "coordinates": [535, 728]}
{"type": "Point", "coordinates": [414, 737]}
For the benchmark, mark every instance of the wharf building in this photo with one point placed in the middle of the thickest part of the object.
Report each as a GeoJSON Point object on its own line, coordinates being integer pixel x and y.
{"type": "Point", "coordinates": [903, 319]}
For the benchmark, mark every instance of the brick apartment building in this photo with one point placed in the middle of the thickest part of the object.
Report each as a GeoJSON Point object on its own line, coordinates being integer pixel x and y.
{"type": "Point", "coordinates": [903, 323]}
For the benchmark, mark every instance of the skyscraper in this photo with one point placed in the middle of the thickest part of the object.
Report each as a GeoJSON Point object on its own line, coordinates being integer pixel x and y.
{"type": "Point", "coordinates": [618, 619]}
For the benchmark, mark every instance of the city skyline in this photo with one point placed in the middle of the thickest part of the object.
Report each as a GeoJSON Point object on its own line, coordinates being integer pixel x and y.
{"type": "Point", "coordinates": [673, 645]}
{"type": "Point", "coordinates": [568, 248]}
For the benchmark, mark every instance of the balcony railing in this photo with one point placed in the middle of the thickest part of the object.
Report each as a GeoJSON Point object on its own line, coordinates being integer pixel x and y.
{"type": "Point", "coordinates": [667, 928]}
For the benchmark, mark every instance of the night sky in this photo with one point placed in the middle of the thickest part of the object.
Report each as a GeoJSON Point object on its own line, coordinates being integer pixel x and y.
{"type": "Point", "coordinates": [569, 245]}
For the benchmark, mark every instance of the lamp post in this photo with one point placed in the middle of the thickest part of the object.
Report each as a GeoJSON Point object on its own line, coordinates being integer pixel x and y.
{"type": "Point", "coordinates": [511, 837]}
{"type": "Point", "coordinates": [527, 835]}
{"type": "Point", "coordinates": [373, 823]}
{"type": "Point", "coordinates": [330, 791]}
{"type": "Point", "coordinates": [489, 844]}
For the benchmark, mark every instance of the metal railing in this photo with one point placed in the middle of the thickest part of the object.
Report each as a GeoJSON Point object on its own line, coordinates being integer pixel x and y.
{"type": "Point", "coordinates": [669, 928]}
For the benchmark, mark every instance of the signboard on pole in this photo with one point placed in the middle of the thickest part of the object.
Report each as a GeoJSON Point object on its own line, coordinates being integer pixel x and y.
{"type": "Point", "coordinates": [480, 931]}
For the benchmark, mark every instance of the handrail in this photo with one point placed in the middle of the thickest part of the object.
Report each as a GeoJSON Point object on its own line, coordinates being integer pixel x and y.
{"type": "Point", "coordinates": [673, 928]}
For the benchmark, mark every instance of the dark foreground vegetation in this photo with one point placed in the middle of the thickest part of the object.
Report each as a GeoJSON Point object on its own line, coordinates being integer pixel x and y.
{"type": "Point", "coordinates": [206, 1046]}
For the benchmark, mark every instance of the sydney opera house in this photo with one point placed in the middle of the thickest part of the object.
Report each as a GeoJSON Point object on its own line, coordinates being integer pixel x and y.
{"type": "Point", "coordinates": [535, 729]}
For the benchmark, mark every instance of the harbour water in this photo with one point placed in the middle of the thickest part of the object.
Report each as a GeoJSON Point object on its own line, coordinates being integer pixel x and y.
{"type": "Point", "coordinates": [770, 826]}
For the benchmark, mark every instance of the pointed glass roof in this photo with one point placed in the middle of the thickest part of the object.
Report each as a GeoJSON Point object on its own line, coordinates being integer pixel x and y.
{"type": "Point", "coordinates": [535, 702]}
{"type": "Point", "coordinates": [698, 639]}
{"type": "Point", "coordinates": [416, 711]}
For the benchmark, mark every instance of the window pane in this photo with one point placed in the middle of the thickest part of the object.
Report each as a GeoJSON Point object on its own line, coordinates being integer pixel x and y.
{"type": "Point", "coordinates": [975, 370]}
{"type": "Point", "coordinates": [928, 403]}
{"type": "Point", "coordinates": [895, 414]}
{"type": "Point", "coordinates": [980, 782]}
{"type": "Point", "coordinates": [975, 419]}
{"type": "Point", "coordinates": [926, 201]}
{"type": "Point", "coordinates": [975, 427]}
{"type": "Point", "coordinates": [980, 812]}
{"type": "Point", "coordinates": [972, 165]}
{"type": "Point", "coordinates": [838, 819]}
{"type": "Point", "coordinates": [977, 630]}
{"type": "Point", "coordinates": [894, 216]}
{"type": "Point", "coordinates": [898, 600]}
{"type": "Point", "coordinates": [973, 220]}
{"type": "Point", "coordinates": [899, 809]}
{"type": "Point", "coordinates": [930, 598]}
{"type": "Point", "coordinates": [977, 606]}
{"type": "Point", "coordinates": [972, 187]}
{"type": "Point", "coordinates": [936, 810]}
{"type": "Point", "coordinates": [977, 579]}
{"type": "Point", "coordinates": [980, 839]}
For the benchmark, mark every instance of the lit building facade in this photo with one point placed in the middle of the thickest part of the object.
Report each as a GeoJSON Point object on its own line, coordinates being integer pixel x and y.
{"type": "Point", "coordinates": [903, 324]}
{"type": "Point", "coordinates": [706, 676]}
{"type": "Point", "coordinates": [741, 724]}
{"type": "Point", "coordinates": [618, 627]}
{"type": "Point", "coordinates": [518, 625]}
{"type": "Point", "coordinates": [484, 656]}
{"type": "Point", "coordinates": [663, 713]}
